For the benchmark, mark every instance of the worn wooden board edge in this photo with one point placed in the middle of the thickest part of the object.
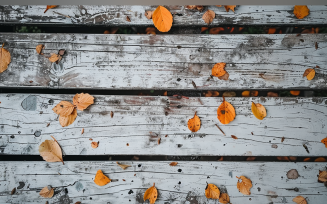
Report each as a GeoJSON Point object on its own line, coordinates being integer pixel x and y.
{"type": "Point", "coordinates": [184, 183]}
{"type": "Point", "coordinates": [109, 15]}
{"type": "Point", "coordinates": [139, 121]}
{"type": "Point", "coordinates": [166, 62]}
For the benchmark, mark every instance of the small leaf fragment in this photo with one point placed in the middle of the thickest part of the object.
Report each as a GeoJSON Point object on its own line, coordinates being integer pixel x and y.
{"type": "Point", "coordinates": [68, 120]}
{"type": "Point", "coordinates": [82, 100]}
{"type": "Point", "coordinates": [151, 194]}
{"type": "Point", "coordinates": [5, 59]}
{"type": "Point", "coordinates": [47, 192]}
{"type": "Point", "coordinates": [292, 174]}
{"type": "Point", "coordinates": [324, 141]}
{"type": "Point", "coordinates": [224, 198]}
{"type": "Point", "coordinates": [173, 163]}
{"type": "Point", "coordinates": [111, 114]}
{"type": "Point", "coordinates": [244, 186]}
{"type": "Point", "coordinates": [123, 166]}
{"type": "Point", "coordinates": [39, 49]}
{"type": "Point", "coordinates": [301, 11]}
{"type": "Point", "coordinates": [194, 124]}
{"type": "Point", "coordinates": [50, 151]}
{"type": "Point", "coordinates": [226, 112]}
{"type": "Point", "coordinates": [94, 145]}
{"type": "Point", "coordinates": [148, 14]}
{"type": "Point", "coordinates": [309, 73]}
{"type": "Point", "coordinates": [50, 7]}
{"type": "Point", "coordinates": [162, 19]}
{"type": "Point", "coordinates": [234, 137]}
{"type": "Point", "coordinates": [229, 94]}
{"type": "Point", "coordinates": [13, 191]}
{"type": "Point", "coordinates": [63, 108]}
{"type": "Point", "coordinates": [316, 45]}
{"type": "Point", "coordinates": [306, 159]}
{"type": "Point", "coordinates": [250, 158]}
{"type": "Point", "coordinates": [128, 19]}
{"type": "Point", "coordinates": [300, 200]}
{"type": "Point", "coordinates": [322, 176]}
{"type": "Point", "coordinates": [258, 110]}
{"type": "Point", "coordinates": [212, 191]}
{"type": "Point", "coordinates": [230, 7]}
{"type": "Point", "coordinates": [54, 58]}
{"type": "Point", "coordinates": [82, 131]}
{"type": "Point", "coordinates": [100, 179]}
{"type": "Point", "coordinates": [208, 16]}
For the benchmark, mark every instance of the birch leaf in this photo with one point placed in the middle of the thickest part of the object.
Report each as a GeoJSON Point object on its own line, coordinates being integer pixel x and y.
{"type": "Point", "coordinates": [224, 198]}
{"type": "Point", "coordinates": [324, 141]}
{"type": "Point", "coordinates": [50, 151]}
{"type": "Point", "coordinates": [309, 73]}
{"type": "Point", "coordinates": [100, 179]}
{"type": "Point", "coordinates": [47, 192]}
{"type": "Point", "coordinates": [226, 112]}
{"type": "Point", "coordinates": [258, 110]}
{"type": "Point", "coordinates": [39, 49]}
{"type": "Point", "coordinates": [245, 185]}
{"type": "Point", "coordinates": [82, 101]}
{"type": "Point", "coordinates": [64, 108]}
{"type": "Point", "coordinates": [68, 120]}
{"type": "Point", "coordinates": [54, 58]}
{"type": "Point", "coordinates": [151, 194]}
{"type": "Point", "coordinates": [208, 16]}
{"type": "Point", "coordinates": [218, 69]}
{"type": "Point", "coordinates": [162, 19]}
{"type": "Point", "coordinates": [301, 11]}
{"type": "Point", "coordinates": [5, 59]}
{"type": "Point", "coordinates": [123, 166]}
{"type": "Point", "coordinates": [299, 200]}
{"type": "Point", "coordinates": [322, 176]}
{"type": "Point", "coordinates": [194, 124]}
{"type": "Point", "coordinates": [212, 191]}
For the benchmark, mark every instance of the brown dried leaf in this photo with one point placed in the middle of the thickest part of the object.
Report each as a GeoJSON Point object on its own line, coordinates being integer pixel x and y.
{"type": "Point", "coordinates": [13, 191]}
{"type": "Point", "coordinates": [283, 158]}
{"type": "Point", "coordinates": [39, 48]}
{"type": "Point", "coordinates": [272, 94]}
{"type": "Point", "coordinates": [300, 200]}
{"type": "Point", "coordinates": [54, 58]}
{"type": "Point", "coordinates": [5, 59]}
{"type": "Point", "coordinates": [221, 159]}
{"type": "Point", "coordinates": [68, 120]}
{"type": "Point", "coordinates": [250, 158]}
{"type": "Point", "coordinates": [316, 45]}
{"type": "Point", "coordinates": [191, 7]}
{"type": "Point", "coordinates": [50, 7]}
{"type": "Point", "coordinates": [244, 186]}
{"type": "Point", "coordinates": [320, 159]}
{"type": "Point", "coordinates": [50, 151]}
{"type": "Point", "coordinates": [322, 176]}
{"type": "Point", "coordinates": [111, 114]}
{"type": "Point", "coordinates": [123, 166]}
{"type": "Point", "coordinates": [64, 108]}
{"type": "Point", "coordinates": [306, 159]}
{"type": "Point", "coordinates": [293, 158]}
{"type": "Point", "coordinates": [173, 163]}
{"type": "Point", "coordinates": [82, 100]}
{"type": "Point", "coordinates": [148, 14]}
{"type": "Point", "coordinates": [151, 194]}
{"type": "Point", "coordinates": [230, 7]}
{"type": "Point", "coordinates": [224, 198]}
{"type": "Point", "coordinates": [159, 139]}
{"type": "Point", "coordinates": [224, 77]}
{"type": "Point", "coordinates": [78, 202]}
{"type": "Point", "coordinates": [128, 19]}
{"type": "Point", "coordinates": [212, 191]}
{"type": "Point", "coordinates": [283, 138]}
{"type": "Point", "coordinates": [151, 30]}
{"type": "Point", "coordinates": [229, 94]}
{"type": "Point", "coordinates": [94, 145]}
{"type": "Point", "coordinates": [234, 137]}
{"type": "Point", "coordinates": [47, 192]}
{"type": "Point", "coordinates": [208, 16]}
{"type": "Point", "coordinates": [309, 73]}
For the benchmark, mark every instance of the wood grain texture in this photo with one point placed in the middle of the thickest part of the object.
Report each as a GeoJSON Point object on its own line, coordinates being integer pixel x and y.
{"type": "Point", "coordinates": [27, 120]}
{"type": "Point", "coordinates": [116, 15]}
{"type": "Point", "coordinates": [184, 183]}
{"type": "Point", "coordinates": [165, 61]}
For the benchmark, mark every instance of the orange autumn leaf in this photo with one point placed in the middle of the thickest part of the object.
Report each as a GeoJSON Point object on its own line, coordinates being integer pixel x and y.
{"type": "Point", "coordinates": [295, 93]}
{"type": "Point", "coordinates": [5, 59]}
{"type": "Point", "coordinates": [63, 108]}
{"type": "Point", "coordinates": [299, 200]}
{"type": "Point", "coordinates": [173, 163]}
{"type": "Point", "coordinates": [234, 137]}
{"type": "Point", "coordinates": [226, 112]}
{"type": "Point", "coordinates": [194, 124]}
{"type": "Point", "coordinates": [218, 69]}
{"type": "Point", "coordinates": [309, 73]}
{"type": "Point", "coordinates": [224, 198]}
{"type": "Point", "coordinates": [151, 194]}
{"type": "Point", "coordinates": [320, 159]}
{"type": "Point", "coordinates": [271, 30]}
{"type": "Point", "coordinates": [246, 93]}
{"type": "Point", "coordinates": [283, 158]}
{"type": "Point", "coordinates": [322, 176]}
{"type": "Point", "coordinates": [68, 120]}
{"type": "Point", "coordinates": [208, 16]}
{"type": "Point", "coordinates": [258, 110]}
{"type": "Point", "coordinates": [272, 94]}
{"type": "Point", "coordinates": [39, 49]}
{"type": "Point", "coordinates": [301, 11]}
{"type": "Point", "coordinates": [50, 151]}
{"type": "Point", "coordinates": [250, 158]}
{"type": "Point", "coordinates": [324, 141]}
{"type": "Point", "coordinates": [94, 145]}
{"type": "Point", "coordinates": [54, 58]}
{"type": "Point", "coordinates": [216, 30]}
{"type": "Point", "coordinates": [230, 7]}
{"type": "Point", "coordinates": [47, 192]}
{"type": "Point", "coordinates": [306, 159]}
{"type": "Point", "coordinates": [100, 179]}
{"type": "Point", "coordinates": [212, 191]}
{"type": "Point", "coordinates": [204, 29]}
{"type": "Point", "coordinates": [50, 7]}
{"type": "Point", "coordinates": [162, 19]}
{"type": "Point", "coordinates": [82, 101]}
{"type": "Point", "coordinates": [244, 186]}
{"type": "Point", "coordinates": [254, 93]}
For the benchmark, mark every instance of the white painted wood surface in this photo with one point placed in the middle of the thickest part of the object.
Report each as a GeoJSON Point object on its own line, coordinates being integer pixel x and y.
{"type": "Point", "coordinates": [165, 61]}
{"type": "Point", "coordinates": [116, 15]}
{"type": "Point", "coordinates": [270, 183]}
{"type": "Point", "coordinates": [301, 121]}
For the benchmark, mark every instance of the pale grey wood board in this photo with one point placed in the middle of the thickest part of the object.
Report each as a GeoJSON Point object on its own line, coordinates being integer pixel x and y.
{"type": "Point", "coordinates": [110, 15]}
{"type": "Point", "coordinates": [270, 183]}
{"type": "Point", "coordinates": [24, 119]}
{"type": "Point", "coordinates": [165, 62]}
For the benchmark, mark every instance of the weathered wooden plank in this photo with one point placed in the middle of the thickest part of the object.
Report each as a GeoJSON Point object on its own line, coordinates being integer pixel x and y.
{"type": "Point", "coordinates": [165, 62]}
{"type": "Point", "coordinates": [116, 15]}
{"type": "Point", "coordinates": [184, 183]}
{"type": "Point", "coordinates": [27, 120]}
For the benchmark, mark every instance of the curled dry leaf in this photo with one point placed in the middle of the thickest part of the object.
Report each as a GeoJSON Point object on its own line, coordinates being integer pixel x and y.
{"type": "Point", "coordinates": [216, 30]}
{"type": "Point", "coordinates": [322, 176]}
{"type": "Point", "coordinates": [94, 145]}
{"type": "Point", "coordinates": [194, 124]}
{"type": "Point", "coordinates": [82, 101]}
{"type": "Point", "coordinates": [272, 94]}
{"type": "Point", "coordinates": [226, 112]}
{"type": "Point", "coordinates": [5, 59]}
{"type": "Point", "coordinates": [230, 7]}
{"type": "Point", "coordinates": [68, 120]}
{"type": "Point", "coordinates": [111, 114]}
{"type": "Point", "coordinates": [292, 174]}
{"type": "Point", "coordinates": [224, 198]}
{"type": "Point", "coordinates": [212, 191]}
{"type": "Point", "coordinates": [173, 164]}
{"type": "Point", "coordinates": [162, 19]}
{"type": "Point", "coordinates": [306, 159]}
{"type": "Point", "coordinates": [128, 19]}
{"type": "Point", "coordinates": [309, 73]}
{"type": "Point", "coordinates": [301, 11]}
{"type": "Point", "coordinates": [295, 93]}
{"type": "Point", "coordinates": [50, 7]}
{"type": "Point", "coordinates": [320, 159]}
{"type": "Point", "coordinates": [50, 151]}
{"type": "Point", "coordinates": [123, 166]}
{"type": "Point", "coordinates": [300, 200]}
{"type": "Point", "coordinates": [250, 158]}
{"type": "Point", "coordinates": [148, 14]}
{"type": "Point", "coordinates": [151, 194]}
{"type": "Point", "coordinates": [39, 48]}
{"type": "Point", "coordinates": [208, 16]}
{"type": "Point", "coordinates": [54, 58]}
{"type": "Point", "coordinates": [229, 94]}
{"type": "Point", "coordinates": [244, 186]}
{"type": "Point", "coordinates": [283, 158]}
{"type": "Point", "coordinates": [324, 141]}
{"type": "Point", "coordinates": [100, 179]}
{"type": "Point", "coordinates": [258, 110]}
{"type": "Point", "coordinates": [150, 30]}
{"type": "Point", "coordinates": [47, 192]}
{"type": "Point", "coordinates": [64, 108]}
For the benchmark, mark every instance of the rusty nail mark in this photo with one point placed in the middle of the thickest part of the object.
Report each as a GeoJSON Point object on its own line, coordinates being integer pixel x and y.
{"type": "Point", "coordinates": [220, 129]}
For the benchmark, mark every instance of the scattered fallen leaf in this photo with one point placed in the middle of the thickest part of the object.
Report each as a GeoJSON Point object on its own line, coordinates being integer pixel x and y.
{"type": "Point", "coordinates": [250, 158]}
{"type": "Point", "coordinates": [246, 93]}
{"type": "Point", "coordinates": [82, 101]}
{"type": "Point", "coordinates": [39, 48]}
{"type": "Point", "coordinates": [82, 131]}
{"type": "Point", "coordinates": [320, 159]}
{"type": "Point", "coordinates": [322, 176]}
{"type": "Point", "coordinates": [211, 94]}
{"type": "Point", "coordinates": [50, 7]}
{"type": "Point", "coordinates": [208, 16]}
{"type": "Point", "coordinates": [300, 200]}
{"type": "Point", "coordinates": [159, 139]}
{"type": "Point", "coordinates": [216, 30]}
{"type": "Point", "coordinates": [244, 186]}
{"type": "Point", "coordinates": [226, 112]}
{"type": "Point", "coordinates": [204, 29]}
{"type": "Point", "coordinates": [283, 158]}
{"type": "Point", "coordinates": [258, 110]}
{"type": "Point", "coordinates": [292, 174]}
{"type": "Point", "coordinates": [148, 14]}
{"type": "Point", "coordinates": [221, 159]}
{"type": "Point", "coordinates": [271, 30]}
{"type": "Point", "coordinates": [162, 19]}
{"type": "Point", "coordinates": [212, 191]}
{"type": "Point", "coordinates": [307, 31]}
{"type": "Point", "coordinates": [111, 114]}
{"type": "Point", "coordinates": [151, 194]}
{"type": "Point", "coordinates": [295, 93]}
{"type": "Point", "coordinates": [324, 141]}
{"type": "Point", "coordinates": [194, 7]}
{"type": "Point", "coordinates": [230, 7]}
{"type": "Point", "coordinates": [194, 124]}
{"type": "Point", "coordinates": [283, 138]}
{"type": "Point", "coordinates": [123, 166]}
{"type": "Point", "coordinates": [150, 30]}
{"type": "Point", "coordinates": [272, 94]}
{"type": "Point", "coordinates": [301, 11]}
{"type": "Point", "coordinates": [5, 59]}
{"type": "Point", "coordinates": [50, 151]}
{"type": "Point", "coordinates": [173, 163]}
{"type": "Point", "coordinates": [254, 93]}
{"type": "Point", "coordinates": [54, 58]}
{"type": "Point", "coordinates": [68, 120]}
{"type": "Point", "coordinates": [224, 77]}
{"type": "Point", "coordinates": [309, 73]}
{"type": "Point", "coordinates": [127, 144]}
{"type": "Point", "coordinates": [63, 108]}
{"type": "Point", "coordinates": [234, 137]}
{"type": "Point", "coordinates": [218, 5]}
{"type": "Point", "coordinates": [229, 94]}
{"type": "Point", "coordinates": [100, 179]}
{"type": "Point", "coordinates": [94, 145]}
{"type": "Point", "coordinates": [218, 69]}
{"type": "Point", "coordinates": [317, 66]}
{"type": "Point", "coordinates": [13, 191]}
{"type": "Point", "coordinates": [306, 159]}
{"type": "Point", "coordinates": [193, 83]}
{"type": "Point", "coordinates": [165, 93]}
{"type": "Point", "coordinates": [293, 158]}
{"type": "Point", "coordinates": [316, 45]}
{"type": "Point", "coordinates": [47, 192]}
{"type": "Point", "coordinates": [224, 198]}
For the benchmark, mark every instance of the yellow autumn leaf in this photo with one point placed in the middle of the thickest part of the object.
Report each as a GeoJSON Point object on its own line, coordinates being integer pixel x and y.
{"type": "Point", "coordinates": [224, 198]}
{"type": "Point", "coordinates": [258, 110]}
{"type": "Point", "coordinates": [309, 73]}
{"type": "Point", "coordinates": [194, 124]}
{"type": "Point", "coordinates": [212, 191]}
{"type": "Point", "coordinates": [301, 11]}
{"type": "Point", "coordinates": [300, 200]}
{"type": "Point", "coordinates": [151, 194]}
{"type": "Point", "coordinates": [162, 19]}
{"type": "Point", "coordinates": [63, 108]}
